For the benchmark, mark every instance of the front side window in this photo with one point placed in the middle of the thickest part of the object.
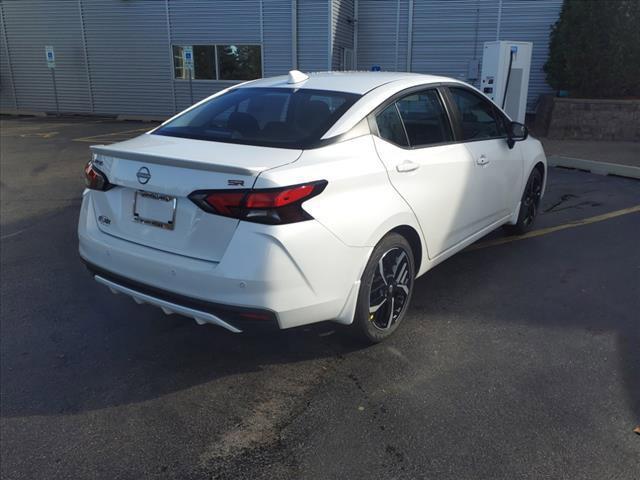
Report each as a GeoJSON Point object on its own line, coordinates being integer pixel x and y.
{"type": "Point", "coordinates": [424, 118]}
{"type": "Point", "coordinates": [276, 117]}
{"type": "Point", "coordinates": [219, 62]}
{"type": "Point", "coordinates": [477, 116]}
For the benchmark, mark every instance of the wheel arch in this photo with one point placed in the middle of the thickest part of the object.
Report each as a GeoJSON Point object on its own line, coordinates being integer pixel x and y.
{"type": "Point", "coordinates": [415, 242]}
{"type": "Point", "coordinates": [539, 165]}
{"type": "Point", "coordinates": [534, 158]}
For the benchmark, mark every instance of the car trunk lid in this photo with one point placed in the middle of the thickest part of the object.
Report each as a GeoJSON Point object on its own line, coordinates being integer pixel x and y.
{"type": "Point", "coordinates": [153, 176]}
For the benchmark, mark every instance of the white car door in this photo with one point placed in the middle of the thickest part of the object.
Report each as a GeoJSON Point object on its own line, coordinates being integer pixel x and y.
{"type": "Point", "coordinates": [437, 176]}
{"type": "Point", "coordinates": [483, 129]}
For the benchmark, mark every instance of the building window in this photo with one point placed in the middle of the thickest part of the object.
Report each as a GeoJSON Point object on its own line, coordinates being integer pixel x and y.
{"type": "Point", "coordinates": [204, 62]}
{"type": "Point", "coordinates": [239, 62]}
{"type": "Point", "coordinates": [219, 62]}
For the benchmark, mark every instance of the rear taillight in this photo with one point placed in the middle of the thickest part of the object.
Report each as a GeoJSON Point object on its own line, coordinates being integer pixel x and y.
{"type": "Point", "coordinates": [271, 206]}
{"type": "Point", "coordinates": [95, 179]}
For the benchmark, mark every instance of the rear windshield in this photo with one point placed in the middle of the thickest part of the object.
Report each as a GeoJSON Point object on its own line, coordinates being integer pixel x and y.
{"type": "Point", "coordinates": [271, 117]}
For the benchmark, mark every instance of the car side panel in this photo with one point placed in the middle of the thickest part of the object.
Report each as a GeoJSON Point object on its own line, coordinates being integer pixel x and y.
{"type": "Point", "coordinates": [532, 154]}
{"type": "Point", "coordinates": [500, 177]}
{"type": "Point", "coordinates": [359, 205]}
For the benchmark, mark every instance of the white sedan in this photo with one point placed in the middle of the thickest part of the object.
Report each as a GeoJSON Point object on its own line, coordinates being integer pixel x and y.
{"type": "Point", "coordinates": [297, 199]}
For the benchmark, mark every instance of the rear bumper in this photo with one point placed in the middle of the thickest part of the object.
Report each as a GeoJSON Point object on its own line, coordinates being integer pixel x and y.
{"type": "Point", "coordinates": [234, 319]}
{"type": "Point", "coordinates": [300, 273]}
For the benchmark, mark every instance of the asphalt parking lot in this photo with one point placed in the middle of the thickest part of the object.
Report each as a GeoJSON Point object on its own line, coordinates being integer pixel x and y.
{"type": "Point", "coordinates": [520, 358]}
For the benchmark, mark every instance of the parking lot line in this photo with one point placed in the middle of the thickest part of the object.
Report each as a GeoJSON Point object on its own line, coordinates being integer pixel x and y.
{"type": "Point", "coordinates": [545, 231]}
{"type": "Point", "coordinates": [109, 136]}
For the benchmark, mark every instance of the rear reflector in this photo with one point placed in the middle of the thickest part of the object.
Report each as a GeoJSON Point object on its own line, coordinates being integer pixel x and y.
{"type": "Point", "coordinates": [271, 206]}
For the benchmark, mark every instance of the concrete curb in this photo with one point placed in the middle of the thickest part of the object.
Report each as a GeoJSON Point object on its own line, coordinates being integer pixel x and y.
{"type": "Point", "coordinates": [600, 168]}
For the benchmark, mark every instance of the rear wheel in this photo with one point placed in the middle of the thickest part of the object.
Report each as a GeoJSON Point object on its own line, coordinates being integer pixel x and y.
{"type": "Point", "coordinates": [385, 289]}
{"type": "Point", "coordinates": [529, 205]}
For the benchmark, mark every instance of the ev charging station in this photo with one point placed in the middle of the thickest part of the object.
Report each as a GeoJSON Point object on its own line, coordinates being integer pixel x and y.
{"type": "Point", "coordinates": [505, 75]}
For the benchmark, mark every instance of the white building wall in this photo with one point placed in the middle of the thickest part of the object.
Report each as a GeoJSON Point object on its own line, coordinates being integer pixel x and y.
{"type": "Point", "coordinates": [342, 30]}
{"type": "Point", "coordinates": [313, 36]}
{"type": "Point", "coordinates": [446, 36]}
{"type": "Point", "coordinates": [113, 57]}
{"type": "Point", "coordinates": [28, 26]}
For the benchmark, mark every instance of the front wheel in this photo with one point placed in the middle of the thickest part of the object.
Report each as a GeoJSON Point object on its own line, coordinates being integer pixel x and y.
{"type": "Point", "coordinates": [529, 205]}
{"type": "Point", "coordinates": [386, 287]}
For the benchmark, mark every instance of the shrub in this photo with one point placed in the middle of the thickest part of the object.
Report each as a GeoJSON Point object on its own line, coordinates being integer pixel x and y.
{"type": "Point", "coordinates": [594, 50]}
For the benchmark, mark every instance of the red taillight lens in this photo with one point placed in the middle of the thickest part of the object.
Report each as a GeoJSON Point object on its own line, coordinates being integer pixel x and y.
{"type": "Point", "coordinates": [271, 206]}
{"type": "Point", "coordinates": [226, 203]}
{"type": "Point", "coordinates": [95, 179]}
{"type": "Point", "coordinates": [278, 198]}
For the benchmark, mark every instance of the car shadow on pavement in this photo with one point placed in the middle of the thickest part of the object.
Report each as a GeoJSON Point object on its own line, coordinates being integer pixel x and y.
{"type": "Point", "coordinates": [69, 345]}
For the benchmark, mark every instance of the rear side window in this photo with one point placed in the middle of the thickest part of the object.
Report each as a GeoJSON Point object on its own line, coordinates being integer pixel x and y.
{"type": "Point", "coordinates": [272, 117]}
{"type": "Point", "coordinates": [478, 118]}
{"type": "Point", "coordinates": [390, 126]}
{"type": "Point", "coordinates": [424, 119]}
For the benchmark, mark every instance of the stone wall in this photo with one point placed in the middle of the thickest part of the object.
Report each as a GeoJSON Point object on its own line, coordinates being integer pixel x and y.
{"type": "Point", "coordinates": [584, 119]}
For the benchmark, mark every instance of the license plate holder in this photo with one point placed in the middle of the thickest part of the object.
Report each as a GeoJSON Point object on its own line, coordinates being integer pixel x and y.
{"type": "Point", "coordinates": [156, 209]}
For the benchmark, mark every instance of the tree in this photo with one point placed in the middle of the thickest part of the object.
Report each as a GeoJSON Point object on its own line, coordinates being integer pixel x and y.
{"type": "Point", "coordinates": [594, 49]}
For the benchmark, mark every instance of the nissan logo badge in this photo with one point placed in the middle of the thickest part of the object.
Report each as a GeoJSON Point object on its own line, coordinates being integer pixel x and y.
{"type": "Point", "coordinates": [144, 175]}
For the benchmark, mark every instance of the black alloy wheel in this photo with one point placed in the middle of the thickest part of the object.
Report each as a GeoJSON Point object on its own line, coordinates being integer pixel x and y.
{"type": "Point", "coordinates": [386, 287]}
{"type": "Point", "coordinates": [390, 288]}
{"type": "Point", "coordinates": [531, 198]}
{"type": "Point", "coordinates": [529, 204]}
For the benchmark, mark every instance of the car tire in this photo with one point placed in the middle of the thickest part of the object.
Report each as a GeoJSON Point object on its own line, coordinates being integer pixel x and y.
{"type": "Point", "coordinates": [529, 205]}
{"type": "Point", "coordinates": [385, 292]}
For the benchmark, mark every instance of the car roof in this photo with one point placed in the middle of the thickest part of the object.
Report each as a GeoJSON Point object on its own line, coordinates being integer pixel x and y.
{"type": "Point", "coordinates": [350, 82]}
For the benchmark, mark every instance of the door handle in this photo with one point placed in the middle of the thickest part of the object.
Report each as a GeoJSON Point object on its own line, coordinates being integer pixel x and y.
{"type": "Point", "coordinates": [482, 160]}
{"type": "Point", "coordinates": [407, 166]}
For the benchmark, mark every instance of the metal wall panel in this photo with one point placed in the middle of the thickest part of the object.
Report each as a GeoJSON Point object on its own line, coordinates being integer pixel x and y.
{"type": "Point", "coordinates": [342, 15]}
{"type": "Point", "coordinates": [277, 37]}
{"type": "Point", "coordinates": [206, 22]}
{"type": "Point", "coordinates": [313, 35]}
{"type": "Point", "coordinates": [263, 22]}
{"type": "Point", "coordinates": [129, 61]}
{"type": "Point", "coordinates": [7, 98]}
{"type": "Point", "coordinates": [447, 34]}
{"type": "Point", "coordinates": [402, 35]}
{"type": "Point", "coordinates": [30, 25]}
{"type": "Point", "coordinates": [382, 34]}
{"type": "Point", "coordinates": [127, 68]}
{"type": "Point", "coordinates": [219, 21]}
{"type": "Point", "coordinates": [531, 21]}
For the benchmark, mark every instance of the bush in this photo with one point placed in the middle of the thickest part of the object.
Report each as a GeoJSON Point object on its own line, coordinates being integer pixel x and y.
{"type": "Point", "coordinates": [595, 49]}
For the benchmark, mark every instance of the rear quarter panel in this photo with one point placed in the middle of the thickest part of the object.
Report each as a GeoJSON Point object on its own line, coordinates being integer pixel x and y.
{"type": "Point", "coordinates": [359, 205]}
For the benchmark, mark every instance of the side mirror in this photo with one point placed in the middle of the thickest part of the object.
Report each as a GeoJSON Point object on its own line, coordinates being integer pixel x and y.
{"type": "Point", "coordinates": [515, 133]}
